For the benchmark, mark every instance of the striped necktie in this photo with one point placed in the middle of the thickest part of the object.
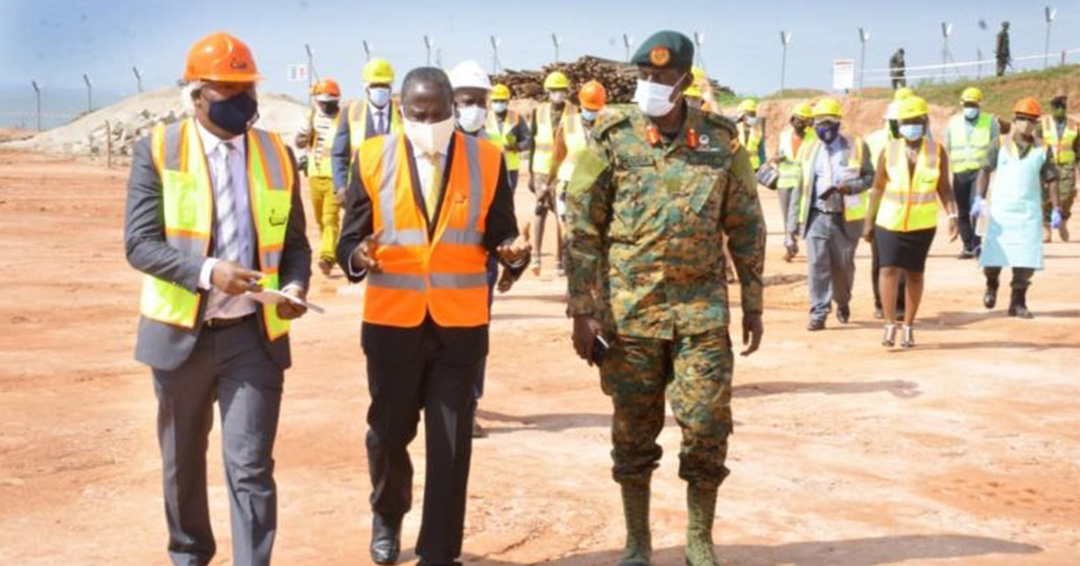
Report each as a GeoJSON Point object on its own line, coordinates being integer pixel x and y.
{"type": "Point", "coordinates": [228, 241]}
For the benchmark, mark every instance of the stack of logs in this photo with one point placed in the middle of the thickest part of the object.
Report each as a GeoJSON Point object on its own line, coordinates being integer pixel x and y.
{"type": "Point", "coordinates": [618, 78]}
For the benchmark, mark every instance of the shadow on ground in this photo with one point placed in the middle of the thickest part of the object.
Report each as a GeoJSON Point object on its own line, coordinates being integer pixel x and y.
{"type": "Point", "coordinates": [852, 552]}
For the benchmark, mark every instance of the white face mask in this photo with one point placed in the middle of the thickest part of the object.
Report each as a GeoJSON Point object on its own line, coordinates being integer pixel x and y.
{"type": "Point", "coordinates": [557, 96]}
{"type": "Point", "coordinates": [379, 96]}
{"type": "Point", "coordinates": [500, 107]}
{"type": "Point", "coordinates": [471, 118]}
{"type": "Point", "coordinates": [429, 139]}
{"type": "Point", "coordinates": [654, 99]}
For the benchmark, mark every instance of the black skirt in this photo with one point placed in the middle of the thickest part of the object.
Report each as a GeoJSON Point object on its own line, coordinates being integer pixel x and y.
{"type": "Point", "coordinates": [906, 250]}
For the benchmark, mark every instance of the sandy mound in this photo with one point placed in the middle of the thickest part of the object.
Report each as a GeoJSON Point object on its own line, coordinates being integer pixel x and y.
{"type": "Point", "coordinates": [132, 118]}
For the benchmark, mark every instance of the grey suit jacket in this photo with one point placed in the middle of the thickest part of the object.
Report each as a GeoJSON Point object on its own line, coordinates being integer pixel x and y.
{"type": "Point", "coordinates": [862, 184]}
{"type": "Point", "coordinates": [165, 346]}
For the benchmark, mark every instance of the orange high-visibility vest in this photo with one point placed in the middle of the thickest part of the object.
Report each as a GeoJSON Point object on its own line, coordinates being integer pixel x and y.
{"type": "Point", "coordinates": [443, 274]}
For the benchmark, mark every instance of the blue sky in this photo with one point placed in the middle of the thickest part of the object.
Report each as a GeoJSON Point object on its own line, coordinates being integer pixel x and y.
{"type": "Point", "coordinates": [56, 41]}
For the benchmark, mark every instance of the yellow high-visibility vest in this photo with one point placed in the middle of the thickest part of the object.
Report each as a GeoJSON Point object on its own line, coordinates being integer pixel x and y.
{"type": "Point", "coordinates": [752, 143]}
{"type": "Point", "coordinates": [575, 136]}
{"type": "Point", "coordinates": [323, 132]}
{"type": "Point", "coordinates": [1064, 153]}
{"type": "Point", "coordinates": [809, 156]}
{"type": "Point", "coordinates": [876, 143]}
{"type": "Point", "coordinates": [358, 115]}
{"type": "Point", "coordinates": [503, 136]}
{"type": "Point", "coordinates": [544, 137]}
{"type": "Point", "coordinates": [188, 210]}
{"type": "Point", "coordinates": [909, 202]}
{"type": "Point", "coordinates": [791, 158]}
{"type": "Point", "coordinates": [969, 154]}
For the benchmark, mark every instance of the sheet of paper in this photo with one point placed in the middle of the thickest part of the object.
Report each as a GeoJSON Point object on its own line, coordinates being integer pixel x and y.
{"type": "Point", "coordinates": [273, 297]}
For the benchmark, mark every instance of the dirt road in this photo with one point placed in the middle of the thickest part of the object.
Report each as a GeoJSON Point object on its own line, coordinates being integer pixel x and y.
{"type": "Point", "coordinates": [965, 450]}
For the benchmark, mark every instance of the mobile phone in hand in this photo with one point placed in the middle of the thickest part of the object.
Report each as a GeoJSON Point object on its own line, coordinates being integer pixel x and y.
{"type": "Point", "coordinates": [600, 349]}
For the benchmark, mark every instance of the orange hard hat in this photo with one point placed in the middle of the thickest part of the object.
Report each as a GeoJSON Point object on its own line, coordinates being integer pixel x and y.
{"type": "Point", "coordinates": [1029, 106]}
{"type": "Point", "coordinates": [220, 57]}
{"type": "Point", "coordinates": [326, 87]}
{"type": "Point", "coordinates": [593, 95]}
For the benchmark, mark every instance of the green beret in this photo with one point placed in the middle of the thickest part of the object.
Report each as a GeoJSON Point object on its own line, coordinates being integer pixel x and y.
{"type": "Point", "coordinates": [665, 49]}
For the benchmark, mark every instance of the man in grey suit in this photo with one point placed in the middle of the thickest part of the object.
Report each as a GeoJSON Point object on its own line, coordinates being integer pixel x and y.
{"type": "Point", "coordinates": [214, 212]}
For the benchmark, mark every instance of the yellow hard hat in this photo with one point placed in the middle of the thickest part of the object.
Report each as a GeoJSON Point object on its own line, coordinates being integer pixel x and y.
{"type": "Point", "coordinates": [971, 94]}
{"type": "Point", "coordinates": [828, 107]}
{"type": "Point", "coordinates": [912, 107]}
{"type": "Point", "coordinates": [802, 110]}
{"type": "Point", "coordinates": [698, 73]}
{"type": "Point", "coordinates": [693, 91]}
{"type": "Point", "coordinates": [902, 93]}
{"type": "Point", "coordinates": [748, 105]}
{"type": "Point", "coordinates": [378, 71]}
{"type": "Point", "coordinates": [500, 92]}
{"type": "Point", "coordinates": [556, 79]}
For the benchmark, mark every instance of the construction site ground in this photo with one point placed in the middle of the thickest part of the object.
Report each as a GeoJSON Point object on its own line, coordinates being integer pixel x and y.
{"type": "Point", "coordinates": [965, 450]}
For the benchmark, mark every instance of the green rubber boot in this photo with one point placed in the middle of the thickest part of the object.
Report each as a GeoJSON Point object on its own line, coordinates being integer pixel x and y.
{"type": "Point", "coordinates": [638, 551]}
{"type": "Point", "coordinates": [701, 504]}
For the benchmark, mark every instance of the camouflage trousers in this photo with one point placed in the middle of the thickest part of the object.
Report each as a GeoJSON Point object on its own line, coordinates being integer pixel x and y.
{"type": "Point", "coordinates": [1066, 193]}
{"type": "Point", "coordinates": [694, 373]}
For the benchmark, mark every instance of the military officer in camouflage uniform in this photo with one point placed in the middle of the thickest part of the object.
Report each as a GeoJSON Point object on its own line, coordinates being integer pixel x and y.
{"type": "Point", "coordinates": [648, 209]}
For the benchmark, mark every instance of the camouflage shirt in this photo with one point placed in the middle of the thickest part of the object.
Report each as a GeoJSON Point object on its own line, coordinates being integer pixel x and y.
{"type": "Point", "coordinates": [646, 226]}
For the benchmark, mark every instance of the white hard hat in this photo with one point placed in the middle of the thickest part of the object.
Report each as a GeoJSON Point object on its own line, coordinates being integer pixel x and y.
{"type": "Point", "coordinates": [893, 111]}
{"type": "Point", "coordinates": [469, 74]}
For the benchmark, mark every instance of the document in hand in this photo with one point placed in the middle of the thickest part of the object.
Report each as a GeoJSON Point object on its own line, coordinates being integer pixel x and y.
{"type": "Point", "coordinates": [273, 297]}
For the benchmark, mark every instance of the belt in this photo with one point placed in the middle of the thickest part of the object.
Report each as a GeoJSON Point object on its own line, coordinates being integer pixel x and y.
{"type": "Point", "coordinates": [819, 211]}
{"type": "Point", "coordinates": [223, 323]}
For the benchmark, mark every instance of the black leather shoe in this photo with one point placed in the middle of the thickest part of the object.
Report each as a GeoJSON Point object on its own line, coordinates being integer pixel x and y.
{"type": "Point", "coordinates": [816, 325]}
{"type": "Point", "coordinates": [990, 297]}
{"type": "Point", "coordinates": [843, 314]}
{"type": "Point", "coordinates": [385, 539]}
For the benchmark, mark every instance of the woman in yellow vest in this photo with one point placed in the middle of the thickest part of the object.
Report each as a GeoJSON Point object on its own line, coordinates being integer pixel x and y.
{"type": "Point", "coordinates": [912, 175]}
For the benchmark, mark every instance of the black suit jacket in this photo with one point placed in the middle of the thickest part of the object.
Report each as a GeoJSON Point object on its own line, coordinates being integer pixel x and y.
{"type": "Point", "coordinates": [165, 346]}
{"type": "Point", "coordinates": [463, 345]}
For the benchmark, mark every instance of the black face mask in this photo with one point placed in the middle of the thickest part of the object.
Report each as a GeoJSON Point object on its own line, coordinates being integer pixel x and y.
{"type": "Point", "coordinates": [330, 107]}
{"type": "Point", "coordinates": [234, 115]}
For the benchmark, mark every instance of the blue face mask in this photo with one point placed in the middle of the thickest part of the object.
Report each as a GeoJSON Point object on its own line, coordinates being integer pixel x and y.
{"type": "Point", "coordinates": [827, 132]}
{"type": "Point", "coordinates": [912, 132]}
{"type": "Point", "coordinates": [379, 96]}
{"type": "Point", "coordinates": [589, 115]}
{"type": "Point", "coordinates": [234, 115]}
{"type": "Point", "coordinates": [970, 113]}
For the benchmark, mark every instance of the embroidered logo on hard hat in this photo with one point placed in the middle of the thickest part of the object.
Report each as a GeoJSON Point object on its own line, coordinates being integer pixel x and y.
{"type": "Point", "coordinates": [237, 65]}
{"type": "Point", "coordinates": [660, 56]}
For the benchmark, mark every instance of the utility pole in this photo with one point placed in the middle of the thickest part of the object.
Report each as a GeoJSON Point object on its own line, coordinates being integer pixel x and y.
{"type": "Point", "coordinates": [368, 48]}
{"type": "Point", "coordinates": [864, 36]}
{"type": "Point", "coordinates": [785, 39]}
{"type": "Point", "coordinates": [37, 94]}
{"type": "Point", "coordinates": [1050, 13]}
{"type": "Point", "coordinates": [138, 79]}
{"type": "Point", "coordinates": [626, 39]}
{"type": "Point", "coordinates": [438, 57]}
{"type": "Point", "coordinates": [310, 70]}
{"type": "Point", "coordinates": [555, 39]}
{"type": "Point", "coordinates": [495, 43]}
{"type": "Point", "coordinates": [429, 42]}
{"type": "Point", "coordinates": [699, 40]}
{"type": "Point", "coordinates": [946, 31]}
{"type": "Point", "coordinates": [89, 93]}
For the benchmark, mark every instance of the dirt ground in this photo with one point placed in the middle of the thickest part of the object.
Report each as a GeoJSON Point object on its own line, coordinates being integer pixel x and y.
{"type": "Point", "coordinates": [965, 450]}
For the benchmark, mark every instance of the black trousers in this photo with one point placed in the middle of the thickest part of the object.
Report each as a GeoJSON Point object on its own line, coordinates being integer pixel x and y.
{"type": "Point", "coordinates": [1021, 277]}
{"type": "Point", "coordinates": [964, 187]}
{"type": "Point", "coordinates": [443, 388]}
{"type": "Point", "coordinates": [875, 276]}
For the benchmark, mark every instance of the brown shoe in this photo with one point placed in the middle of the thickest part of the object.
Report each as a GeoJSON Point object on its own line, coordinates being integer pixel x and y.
{"type": "Point", "coordinates": [1063, 232]}
{"type": "Point", "coordinates": [1047, 234]}
{"type": "Point", "coordinates": [325, 266]}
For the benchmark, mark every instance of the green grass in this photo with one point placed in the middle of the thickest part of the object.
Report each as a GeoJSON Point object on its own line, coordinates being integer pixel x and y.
{"type": "Point", "coordinates": [1000, 93]}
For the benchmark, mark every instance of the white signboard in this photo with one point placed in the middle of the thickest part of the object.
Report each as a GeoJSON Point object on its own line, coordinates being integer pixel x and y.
{"type": "Point", "coordinates": [298, 73]}
{"type": "Point", "coordinates": [843, 74]}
